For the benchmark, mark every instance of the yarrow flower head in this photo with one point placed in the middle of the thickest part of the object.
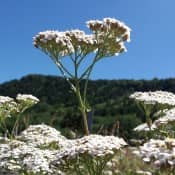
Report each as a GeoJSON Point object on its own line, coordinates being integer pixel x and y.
{"type": "Point", "coordinates": [82, 42]}
{"type": "Point", "coordinates": [26, 101]}
{"type": "Point", "coordinates": [6, 99]}
{"type": "Point", "coordinates": [93, 146]}
{"type": "Point", "coordinates": [159, 152]}
{"type": "Point", "coordinates": [168, 117]}
{"type": "Point", "coordinates": [161, 97]}
{"type": "Point", "coordinates": [7, 107]}
{"type": "Point", "coordinates": [110, 33]}
{"type": "Point", "coordinates": [27, 98]}
{"type": "Point", "coordinates": [110, 25]}
{"type": "Point", "coordinates": [38, 135]}
{"type": "Point", "coordinates": [54, 43]}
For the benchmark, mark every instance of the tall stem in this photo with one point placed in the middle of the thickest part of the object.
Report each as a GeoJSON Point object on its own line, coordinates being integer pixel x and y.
{"type": "Point", "coordinates": [82, 105]}
{"type": "Point", "coordinates": [88, 72]}
{"type": "Point", "coordinates": [15, 127]}
{"type": "Point", "coordinates": [82, 109]}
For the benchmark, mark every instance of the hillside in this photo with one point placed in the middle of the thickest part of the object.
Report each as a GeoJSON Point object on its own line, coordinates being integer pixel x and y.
{"type": "Point", "coordinates": [109, 99]}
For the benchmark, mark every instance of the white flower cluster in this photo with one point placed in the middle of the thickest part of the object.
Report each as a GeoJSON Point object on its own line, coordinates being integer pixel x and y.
{"type": "Point", "coordinates": [60, 44]}
{"type": "Point", "coordinates": [7, 106]}
{"type": "Point", "coordinates": [17, 155]}
{"type": "Point", "coordinates": [38, 135]}
{"type": "Point", "coordinates": [109, 38]}
{"type": "Point", "coordinates": [93, 146]}
{"type": "Point", "coordinates": [110, 33]}
{"type": "Point", "coordinates": [27, 97]}
{"type": "Point", "coordinates": [110, 25]}
{"type": "Point", "coordinates": [161, 97]}
{"type": "Point", "coordinates": [168, 117]}
{"type": "Point", "coordinates": [10, 106]}
{"type": "Point", "coordinates": [80, 38]}
{"type": "Point", "coordinates": [54, 42]}
{"type": "Point", "coordinates": [4, 99]}
{"type": "Point", "coordinates": [31, 150]}
{"type": "Point", "coordinates": [158, 152]}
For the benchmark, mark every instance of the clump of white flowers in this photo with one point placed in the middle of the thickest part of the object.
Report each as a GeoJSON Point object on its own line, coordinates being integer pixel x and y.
{"type": "Point", "coordinates": [168, 117]}
{"type": "Point", "coordinates": [33, 153]}
{"type": "Point", "coordinates": [88, 155]}
{"type": "Point", "coordinates": [159, 152]}
{"type": "Point", "coordinates": [10, 107]}
{"type": "Point", "coordinates": [7, 107]}
{"type": "Point", "coordinates": [161, 97]}
{"type": "Point", "coordinates": [4, 99]}
{"type": "Point", "coordinates": [27, 98]}
{"type": "Point", "coordinates": [42, 135]}
{"type": "Point", "coordinates": [107, 39]}
{"type": "Point", "coordinates": [110, 34]}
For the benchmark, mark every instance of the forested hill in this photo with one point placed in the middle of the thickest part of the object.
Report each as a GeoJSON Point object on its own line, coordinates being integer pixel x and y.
{"type": "Point", "coordinates": [52, 89]}
{"type": "Point", "coordinates": [109, 98]}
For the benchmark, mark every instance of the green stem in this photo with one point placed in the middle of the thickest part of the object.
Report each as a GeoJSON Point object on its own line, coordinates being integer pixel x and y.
{"type": "Point", "coordinates": [64, 75]}
{"type": "Point", "coordinates": [64, 69]}
{"type": "Point", "coordinates": [3, 126]}
{"type": "Point", "coordinates": [88, 72]}
{"type": "Point", "coordinates": [79, 97]}
{"type": "Point", "coordinates": [81, 58]}
{"type": "Point", "coordinates": [14, 130]}
{"type": "Point", "coordinates": [86, 84]}
{"type": "Point", "coordinates": [82, 109]}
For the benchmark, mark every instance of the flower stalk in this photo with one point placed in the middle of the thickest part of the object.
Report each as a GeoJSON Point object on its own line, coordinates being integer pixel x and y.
{"type": "Point", "coordinates": [107, 39]}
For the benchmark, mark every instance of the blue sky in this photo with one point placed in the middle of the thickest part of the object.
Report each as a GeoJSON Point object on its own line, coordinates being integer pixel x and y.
{"type": "Point", "coordinates": [150, 53]}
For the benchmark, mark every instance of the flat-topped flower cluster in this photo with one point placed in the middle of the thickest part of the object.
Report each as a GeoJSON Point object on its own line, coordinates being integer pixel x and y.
{"type": "Point", "coordinates": [27, 98]}
{"type": "Point", "coordinates": [38, 135]}
{"type": "Point", "coordinates": [108, 37]}
{"type": "Point", "coordinates": [168, 117]}
{"type": "Point", "coordinates": [152, 97]}
{"type": "Point", "coordinates": [10, 106]}
{"type": "Point", "coordinates": [94, 146]}
{"type": "Point", "coordinates": [89, 154]}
